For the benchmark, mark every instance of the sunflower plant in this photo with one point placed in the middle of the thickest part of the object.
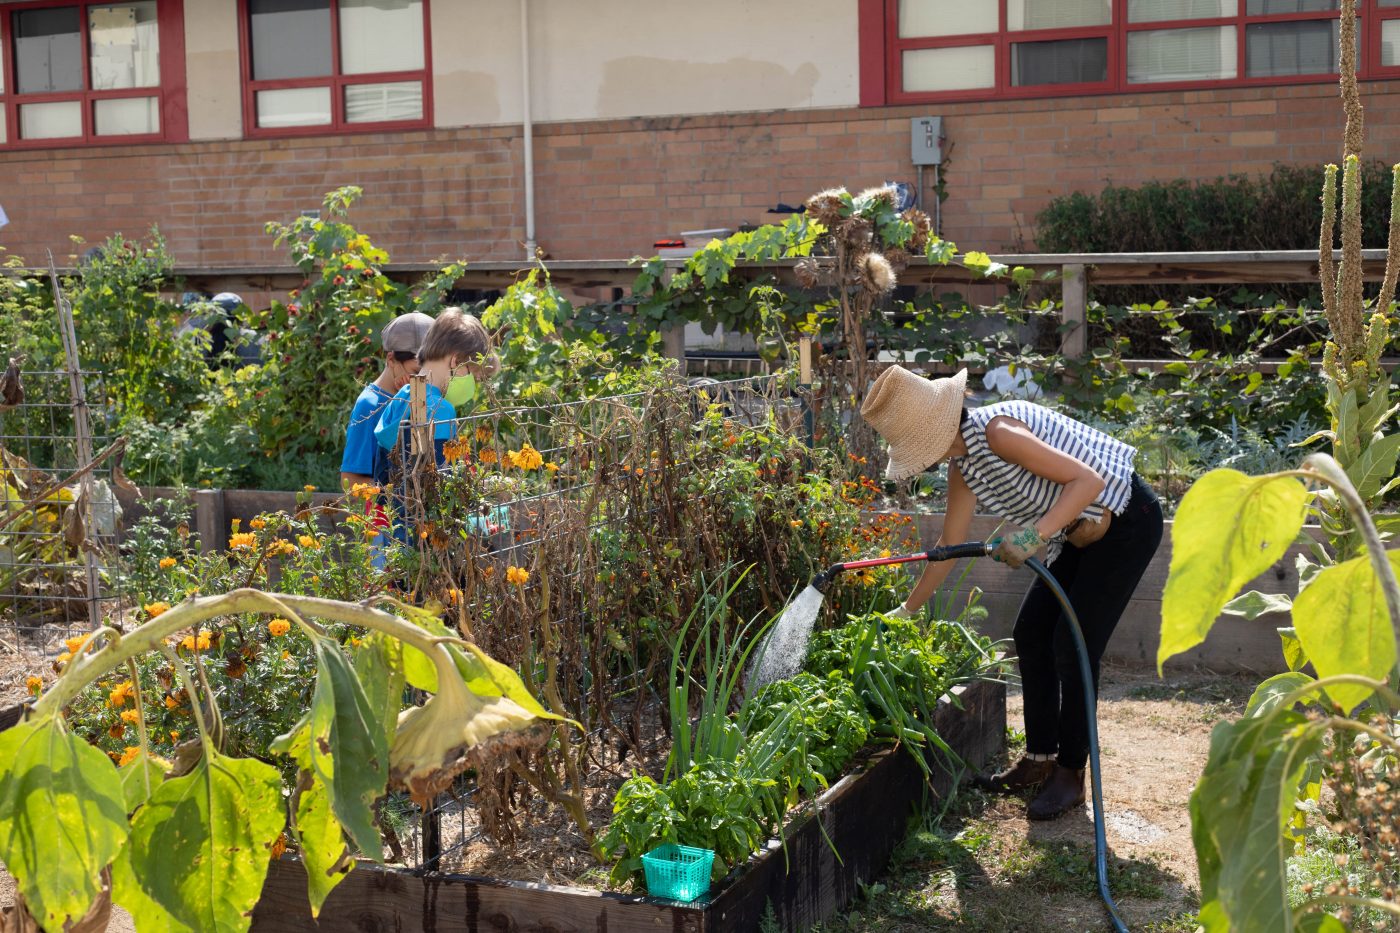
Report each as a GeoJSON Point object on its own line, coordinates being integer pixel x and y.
{"type": "Point", "coordinates": [77, 827]}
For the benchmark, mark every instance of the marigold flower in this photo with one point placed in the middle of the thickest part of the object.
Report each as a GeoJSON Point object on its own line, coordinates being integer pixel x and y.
{"type": "Point", "coordinates": [286, 654]}
{"type": "Point", "coordinates": [257, 524]}
{"type": "Point", "coordinates": [121, 693]}
{"type": "Point", "coordinates": [308, 488]}
{"type": "Point", "coordinates": [730, 441]}
{"type": "Point", "coordinates": [517, 575]}
{"type": "Point", "coordinates": [34, 685]}
{"type": "Point", "coordinates": [371, 533]}
{"type": "Point", "coordinates": [487, 455]}
{"type": "Point", "coordinates": [233, 525]}
{"type": "Point", "coordinates": [279, 845]}
{"type": "Point", "coordinates": [279, 547]}
{"type": "Point", "coordinates": [129, 754]}
{"type": "Point", "coordinates": [116, 730]}
{"type": "Point", "coordinates": [308, 542]}
{"type": "Point", "coordinates": [131, 716]}
{"type": "Point", "coordinates": [155, 609]}
{"type": "Point", "coordinates": [552, 467]}
{"type": "Point", "coordinates": [527, 458]}
{"type": "Point", "coordinates": [483, 433]}
{"type": "Point", "coordinates": [76, 643]}
{"type": "Point", "coordinates": [171, 702]}
{"type": "Point", "coordinates": [245, 540]}
{"type": "Point", "coordinates": [279, 627]}
{"type": "Point", "coordinates": [174, 737]}
{"type": "Point", "coordinates": [455, 450]}
{"type": "Point", "coordinates": [884, 552]}
{"type": "Point", "coordinates": [796, 523]}
{"type": "Point", "coordinates": [197, 642]}
{"type": "Point", "coordinates": [453, 595]}
{"type": "Point", "coordinates": [167, 562]}
{"type": "Point", "coordinates": [488, 571]}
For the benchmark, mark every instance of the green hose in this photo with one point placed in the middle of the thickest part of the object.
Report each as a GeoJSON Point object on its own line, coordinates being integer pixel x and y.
{"type": "Point", "coordinates": [1096, 783]}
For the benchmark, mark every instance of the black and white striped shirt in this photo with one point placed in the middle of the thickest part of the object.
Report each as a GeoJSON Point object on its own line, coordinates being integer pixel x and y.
{"type": "Point", "coordinates": [1015, 493]}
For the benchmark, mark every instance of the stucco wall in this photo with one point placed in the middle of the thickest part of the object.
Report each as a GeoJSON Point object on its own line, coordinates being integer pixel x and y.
{"type": "Point", "coordinates": [590, 59]}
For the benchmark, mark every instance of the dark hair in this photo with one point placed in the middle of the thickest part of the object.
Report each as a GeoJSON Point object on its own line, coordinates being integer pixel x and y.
{"type": "Point", "coordinates": [962, 416]}
{"type": "Point", "coordinates": [403, 356]}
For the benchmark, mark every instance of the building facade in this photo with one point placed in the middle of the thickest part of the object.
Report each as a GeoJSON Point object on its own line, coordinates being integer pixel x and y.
{"type": "Point", "coordinates": [211, 117]}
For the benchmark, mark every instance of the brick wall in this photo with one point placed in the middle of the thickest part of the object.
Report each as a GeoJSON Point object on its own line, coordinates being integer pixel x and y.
{"type": "Point", "coordinates": [607, 189]}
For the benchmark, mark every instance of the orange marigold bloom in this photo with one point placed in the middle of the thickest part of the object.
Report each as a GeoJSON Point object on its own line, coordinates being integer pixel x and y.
{"type": "Point", "coordinates": [76, 643]}
{"type": "Point", "coordinates": [131, 716]}
{"type": "Point", "coordinates": [517, 575]}
{"type": "Point", "coordinates": [257, 524]}
{"type": "Point", "coordinates": [116, 731]}
{"type": "Point", "coordinates": [487, 455]}
{"type": "Point", "coordinates": [453, 595]}
{"type": "Point", "coordinates": [122, 692]}
{"type": "Point", "coordinates": [167, 562]}
{"type": "Point", "coordinates": [245, 540]}
{"type": "Point", "coordinates": [155, 609]}
{"type": "Point", "coordinates": [552, 467]}
{"type": "Point", "coordinates": [278, 548]}
{"type": "Point", "coordinates": [483, 433]}
{"type": "Point", "coordinates": [279, 627]}
{"type": "Point", "coordinates": [279, 845]}
{"type": "Point", "coordinates": [308, 542]}
{"type": "Point", "coordinates": [34, 685]}
{"type": "Point", "coordinates": [129, 754]}
{"type": "Point", "coordinates": [308, 488]}
{"type": "Point", "coordinates": [455, 450]}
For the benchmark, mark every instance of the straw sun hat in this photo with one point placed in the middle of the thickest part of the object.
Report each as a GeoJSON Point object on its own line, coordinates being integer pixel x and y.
{"type": "Point", "coordinates": [918, 417]}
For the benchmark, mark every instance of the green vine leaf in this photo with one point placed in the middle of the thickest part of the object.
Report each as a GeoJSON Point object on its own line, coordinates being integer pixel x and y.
{"type": "Point", "coordinates": [144, 772]}
{"type": "Point", "coordinates": [1254, 604]}
{"type": "Point", "coordinates": [62, 819]}
{"type": "Point", "coordinates": [1229, 528]}
{"type": "Point", "coordinates": [127, 892]}
{"type": "Point", "coordinates": [199, 848]}
{"type": "Point", "coordinates": [344, 727]}
{"type": "Point", "coordinates": [1375, 466]}
{"type": "Point", "coordinates": [1270, 694]}
{"type": "Point", "coordinates": [1293, 653]}
{"type": "Point", "coordinates": [1344, 625]}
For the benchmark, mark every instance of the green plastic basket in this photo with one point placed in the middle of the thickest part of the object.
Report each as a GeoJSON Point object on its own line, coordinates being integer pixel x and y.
{"type": "Point", "coordinates": [678, 872]}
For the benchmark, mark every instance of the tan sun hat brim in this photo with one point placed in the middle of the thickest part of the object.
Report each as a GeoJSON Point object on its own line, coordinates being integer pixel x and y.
{"type": "Point", "coordinates": [917, 417]}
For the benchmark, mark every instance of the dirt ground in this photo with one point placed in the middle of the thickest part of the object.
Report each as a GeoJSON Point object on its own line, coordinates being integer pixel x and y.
{"type": "Point", "coordinates": [984, 867]}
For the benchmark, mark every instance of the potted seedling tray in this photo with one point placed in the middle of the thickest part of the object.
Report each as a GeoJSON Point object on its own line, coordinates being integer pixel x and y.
{"type": "Point", "coordinates": [864, 814]}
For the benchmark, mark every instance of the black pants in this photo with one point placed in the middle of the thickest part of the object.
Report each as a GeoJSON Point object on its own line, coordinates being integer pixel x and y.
{"type": "Point", "coordinates": [1099, 580]}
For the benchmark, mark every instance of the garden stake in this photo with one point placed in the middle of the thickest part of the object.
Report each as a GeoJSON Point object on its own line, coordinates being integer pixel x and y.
{"type": "Point", "coordinates": [981, 549]}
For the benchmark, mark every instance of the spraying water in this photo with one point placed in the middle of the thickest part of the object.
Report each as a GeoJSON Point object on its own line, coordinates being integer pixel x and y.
{"type": "Point", "coordinates": [783, 651]}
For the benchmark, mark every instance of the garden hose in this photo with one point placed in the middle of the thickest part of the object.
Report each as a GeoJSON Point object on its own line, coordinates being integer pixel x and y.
{"type": "Point", "coordinates": [981, 549]}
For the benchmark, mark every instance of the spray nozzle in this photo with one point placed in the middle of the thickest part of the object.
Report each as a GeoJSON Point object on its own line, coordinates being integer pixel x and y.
{"type": "Point", "coordinates": [823, 580]}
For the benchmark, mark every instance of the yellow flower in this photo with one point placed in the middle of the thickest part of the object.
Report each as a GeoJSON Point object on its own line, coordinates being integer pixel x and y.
{"type": "Point", "coordinates": [884, 552]}
{"type": "Point", "coordinates": [257, 524]}
{"type": "Point", "coordinates": [198, 642]}
{"type": "Point", "coordinates": [371, 533]}
{"type": "Point", "coordinates": [129, 754]}
{"type": "Point", "coordinates": [34, 685]}
{"type": "Point", "coordinates": [308, 542]}
{"type": "Point", "coordinates": [455, 450]}
{"type": "Point", "coordinates": [487, 455]}
{"type": "Point", "coordinates": [120, 694]}
{"type": "Point", "coordinates": [279, 627]}
{"type": "Point", "coordinates": [174, 737]}
{"type": "Point", "coordinates": [526, 458]}
{"type": "Point", "coordinates": [483, 433]}
{"type": "Point", "coordinates": [167, 562]}
{"type": "Point", "coordinates": [308, 488]}
{"type": "Point", "coordinates": [517, 575]}
{"type": "Point", "coordinates": [171, 702]}
{"type": "Point", "coordinates": [552, 467]}
{"type": "Point", "coordinates": [279, 547]}
{"type": "Point", "coordinates": [453, 595]}
{"type": "Point", "coordinates": [131, 716]}
{"type": "Point", "coordinates": [155, 609]}
{"type": "Point", "coordinates": [233, 525]}
{"type": "Point", "coordinates": [76, 643]}
{"type": "Point", "coordinates": [286, 654]}
{"type": "Point", "coordinates": [247, 539]}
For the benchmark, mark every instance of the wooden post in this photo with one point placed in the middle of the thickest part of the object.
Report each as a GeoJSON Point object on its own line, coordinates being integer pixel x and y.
{"type": "Point", "coordinates": [804, 359]}
{"type": "Point", "coordinates": [1074, 341]}
{"type": "Point", "coordinates": [419, 429]}
{"type": "Point", "coordinates": [673, 343]}
{"type": "Point", "coordinates": [209, 521]}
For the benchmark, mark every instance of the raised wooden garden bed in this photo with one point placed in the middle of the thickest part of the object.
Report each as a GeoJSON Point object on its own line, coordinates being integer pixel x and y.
{"type": "Point", "coordinates": [864, 814]}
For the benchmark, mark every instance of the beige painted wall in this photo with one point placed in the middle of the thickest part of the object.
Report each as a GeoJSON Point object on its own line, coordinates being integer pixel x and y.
{"type": "Point", "coordinates": [213, 84]}
{"type": "Point", "coordinates": [629, 58]}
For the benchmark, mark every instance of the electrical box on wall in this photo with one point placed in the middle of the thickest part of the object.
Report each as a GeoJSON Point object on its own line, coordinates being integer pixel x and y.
{"type": "Point", "coordinates": [926, 140]}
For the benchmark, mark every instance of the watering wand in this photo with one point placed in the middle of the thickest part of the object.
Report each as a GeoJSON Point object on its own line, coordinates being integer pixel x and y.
{"type": "Point", "coordinates": [982, 549]}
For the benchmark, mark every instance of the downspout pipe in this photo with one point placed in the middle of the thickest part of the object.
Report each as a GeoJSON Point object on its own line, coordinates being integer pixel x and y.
{"type": "Point", "coordinates": [528, 136]}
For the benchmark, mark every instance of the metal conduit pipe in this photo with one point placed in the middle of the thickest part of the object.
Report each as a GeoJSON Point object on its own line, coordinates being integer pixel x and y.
{"type": "Point", "coordinates": [528, 134]}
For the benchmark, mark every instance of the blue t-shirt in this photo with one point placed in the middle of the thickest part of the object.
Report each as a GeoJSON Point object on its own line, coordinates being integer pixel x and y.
{"type": "Point", "coordinates": [362, 454]}
{"type": "Point", "coordinates": [395, 417]}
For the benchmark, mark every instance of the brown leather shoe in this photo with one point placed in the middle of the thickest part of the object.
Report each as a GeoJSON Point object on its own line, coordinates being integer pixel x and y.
{"type": "Point", "coordinates": [1025, 774]}
{"type": "Point", "coordinates": [1062, 792]}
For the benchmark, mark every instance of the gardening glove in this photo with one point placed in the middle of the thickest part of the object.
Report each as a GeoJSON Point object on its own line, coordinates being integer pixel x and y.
{"type": "Point", "coordinates": [899, 612]}
{"type": "Point", "coordinates": [1018, 547]}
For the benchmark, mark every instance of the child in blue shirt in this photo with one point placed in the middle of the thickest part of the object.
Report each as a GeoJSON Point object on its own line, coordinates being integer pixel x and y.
{"type": "Point", "coordinates": [456, 354]}
{"type": "Point", "coordinates": [363, 461]}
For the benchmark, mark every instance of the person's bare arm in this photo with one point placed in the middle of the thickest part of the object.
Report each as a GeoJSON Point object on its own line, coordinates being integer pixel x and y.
{"type": "Point", "coordinates": [956, 523]}
{"type": "Point", "coordinates": [1013, 442]}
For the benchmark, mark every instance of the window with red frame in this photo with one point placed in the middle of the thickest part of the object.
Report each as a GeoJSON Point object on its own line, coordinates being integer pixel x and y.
{"type": "Point", "coordinates": [960, 50]}
{"type": "Point", "coordinates": [317, 65]}
{"type": "Point", "coordinates": [77, 73]}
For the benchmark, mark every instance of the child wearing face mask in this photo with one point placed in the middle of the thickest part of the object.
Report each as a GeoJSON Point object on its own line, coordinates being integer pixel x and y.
{"type": "Point", "coordinates": [455, 356]}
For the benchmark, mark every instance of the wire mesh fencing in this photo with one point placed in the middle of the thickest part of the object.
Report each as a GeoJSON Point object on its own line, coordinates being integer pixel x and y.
{"type": "Point", "coordinates": [571, 541]}
{"type": "Point", "coordinates": [57, 544]}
